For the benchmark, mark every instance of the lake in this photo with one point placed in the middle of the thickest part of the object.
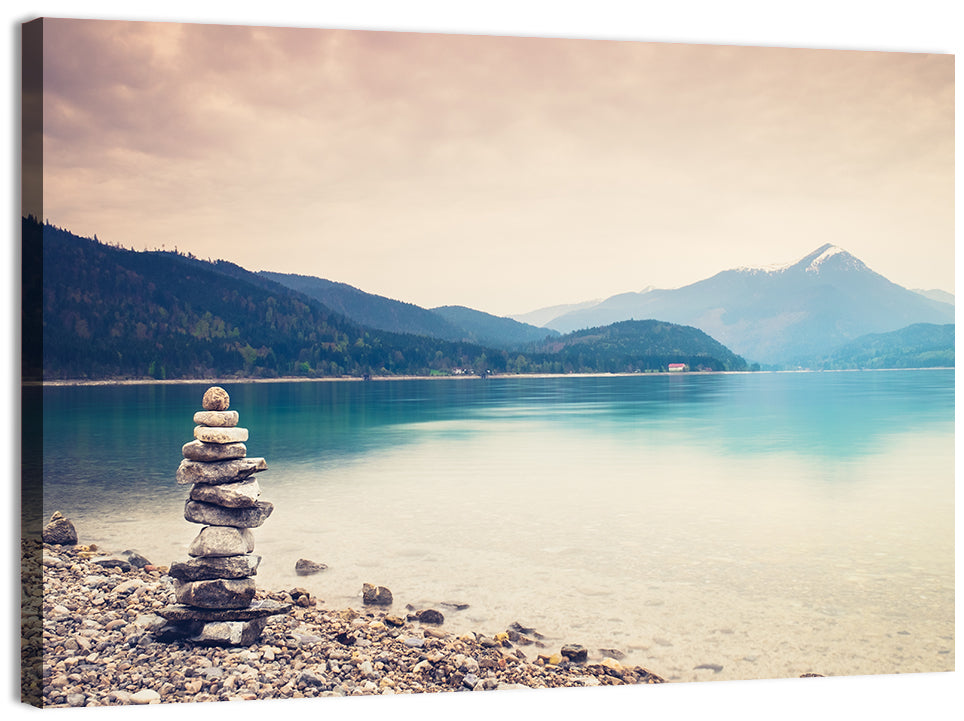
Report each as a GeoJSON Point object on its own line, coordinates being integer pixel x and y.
{"type": "Point", "coordinates": [771, 524]}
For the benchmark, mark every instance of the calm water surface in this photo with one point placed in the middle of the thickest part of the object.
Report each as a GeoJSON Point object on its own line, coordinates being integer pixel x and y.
{"type": "Point", "coordinates": [771, 524]}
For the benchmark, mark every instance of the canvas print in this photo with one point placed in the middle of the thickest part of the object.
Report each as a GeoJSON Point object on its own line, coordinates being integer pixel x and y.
{"type": "Point", "coordinates": [370, 362]}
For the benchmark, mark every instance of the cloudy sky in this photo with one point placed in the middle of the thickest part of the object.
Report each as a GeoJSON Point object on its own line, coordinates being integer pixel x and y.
{"type": "Point", "coordinates": [501, 173]}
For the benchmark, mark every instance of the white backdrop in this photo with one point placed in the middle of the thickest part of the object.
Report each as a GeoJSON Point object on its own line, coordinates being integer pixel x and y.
{"type": "Point", "coordinates": [902, 25]}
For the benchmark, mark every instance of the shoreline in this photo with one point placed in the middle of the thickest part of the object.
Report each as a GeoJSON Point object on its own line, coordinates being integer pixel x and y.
{"type": "Point", "coordinates": [493, 376]}
{"type": "Point", "coordinates": [91, 638]}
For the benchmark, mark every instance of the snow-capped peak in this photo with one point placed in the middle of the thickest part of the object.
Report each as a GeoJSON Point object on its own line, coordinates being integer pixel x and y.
{"type": "Point", "coordinates": [821, 255]}
{"type": "Point", "coordinates": [810, 263]}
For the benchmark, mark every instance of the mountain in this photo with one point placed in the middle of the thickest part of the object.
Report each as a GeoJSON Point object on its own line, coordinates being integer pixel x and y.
{"type": "Point", "coordinates": [922, 345]}
{"type": "Point", "coordinates": [542, 316]}
{"type": "Point", "coordinates": [941, 296]}
{"type": "Point", "coordinates": [777, 315]}
{"type": "Point", "coordinates": [370, 310]}
{"type": "Point", "coordinates": [492, 330]}
{"type": "Point", "coordinates": [95, 311]}
{"type": "Point", "coordinates": [635, 345]}
{"type": "Point", "coordinates": [454, 323]}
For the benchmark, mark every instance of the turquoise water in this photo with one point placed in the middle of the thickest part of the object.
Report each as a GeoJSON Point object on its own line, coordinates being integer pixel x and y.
{"type": "Point", "coordinates": [771, 524]}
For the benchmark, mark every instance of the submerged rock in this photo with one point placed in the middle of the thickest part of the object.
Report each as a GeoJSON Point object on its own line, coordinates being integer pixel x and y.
{"type": "Point", "coordinates": [430, 615]}
{"type": "Point", "coordinates": [574, 652]}
{"type": "Point", "coordinates": [376, 595]}
{"type": "Point", "coordinates": [304, 567]}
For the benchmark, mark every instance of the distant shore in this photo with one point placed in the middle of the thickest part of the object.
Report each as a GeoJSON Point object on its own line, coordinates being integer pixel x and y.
{"type": "Point", "coordinates": [463, 376]}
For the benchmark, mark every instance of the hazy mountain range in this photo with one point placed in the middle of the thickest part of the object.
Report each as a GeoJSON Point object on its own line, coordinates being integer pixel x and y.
{"type": "Point", "coordinates": [783, 315]}
{"type": "Point", "coordinates": [106, 311]}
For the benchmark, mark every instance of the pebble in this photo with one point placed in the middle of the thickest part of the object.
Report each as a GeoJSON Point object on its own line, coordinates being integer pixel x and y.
{"type": "Point", "coordinates": [118, 661]}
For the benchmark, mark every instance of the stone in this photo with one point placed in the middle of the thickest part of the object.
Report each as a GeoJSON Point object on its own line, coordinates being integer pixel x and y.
{"type": "Point", "coordinates": [145, 696]}
{"type": "Point", "coordinates": [430, 615]}
{"type": "Point", "coordinates": [376, 595]}
{"type": "Point", "coordinates": [213, 515]}
{"type": "Point", "coordinates": [215, 593]}
{"type": "Point", "coordinates": [221, 541]}
{"type": "Point", "coordinates": [60, 531]}
{"type": "Point", "coordinates": [230, 633]}
{"type": "Point", "coordinates": [198, 451]}
{"type": "Point", "coordinates": [304, 567]}
{"type": "Point", "coordinates": [575, 653]}
{"type": "Point", "coordinates": [220, 419]}
{"type": "Point", "coordinates": [714, 667]}
{"type": "Point", "coordinates": [233, 471]}
{"type": "Point", "coordinates": [202, 569]}
{"type": "Point", "coordinates": [207, 434]}
{"type": "Point", "coordinates": [243, 494]}
{"type": "Point", "coordinates": [256, 609]}
{"type": "Point", "coordinates": [215, 399]}
{"type": "Point", "coordinates": [135, 559]}
{"type": "Point", "coordinates": [112, 562]}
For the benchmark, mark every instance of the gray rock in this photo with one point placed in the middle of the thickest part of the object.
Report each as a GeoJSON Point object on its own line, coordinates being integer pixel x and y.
{"type": "Point", "coordinates": [221, 541]}
{"type": "Point", "coordinates": [145, 696]}
{"type": "Point", "coordinates": [218, 472]}
{"type": "Point", "coordinates": [59, 531]}
{"type": "Point", "coordinates": [219, 419]}
{"type": "Point", "coordinates": [214, 515]}
{"type": "Point", "coordinates": [230, 633]}
{"type": "Point", "coordinates": [202, 569]}
{"type": "Point", "coordinates": [256, 609]}
{"type": "Point", "coordinates": [714, 667]}
{"type": "Point", "coordinates": [311, 679]}
{"type": "Point", "coordinates": [304, 567]}
{"type": "Point", "coordinates": [198, 451]}
{"type": "Point", "coordinates": [574, 652]}
{"type": "Point", "coordinates": [215, 593]}
{"type": "Point", "coordinates": [135, 559]}
{"type": "Point", "coordinates": [215, 399]}
{"type": "Point", "coordinates": [230, 495]}
{"type": "Point", "coordinates": [206, 434]}
{"type": "Point", "coordinates": [430, 615]}
{"type": "Point", "coordinates": [112, 562]}
{"type": "Point", "coordinates": [376, 595]}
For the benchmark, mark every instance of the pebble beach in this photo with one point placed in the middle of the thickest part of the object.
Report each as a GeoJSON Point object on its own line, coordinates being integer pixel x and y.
{"type": "Point", "coordinates": [91, 636]}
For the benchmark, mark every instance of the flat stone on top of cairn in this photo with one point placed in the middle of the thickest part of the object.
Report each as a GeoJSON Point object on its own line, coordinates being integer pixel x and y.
{"type": "Point", "coordinates": [215, 589]}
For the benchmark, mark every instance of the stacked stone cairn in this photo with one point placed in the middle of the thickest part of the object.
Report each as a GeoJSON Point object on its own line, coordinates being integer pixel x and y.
{"type": "Point", "coordinates": [215, 589]}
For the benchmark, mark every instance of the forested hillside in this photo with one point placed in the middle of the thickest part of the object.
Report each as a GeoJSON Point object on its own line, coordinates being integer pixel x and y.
{"type": "Point", "coordinates": [367, 309]}
{"type": "Point", "coordinates": [922, 345]}
{"type": "Point", "coordinates": [635, 345]}
{"type": "Point", "coordinates": [111, 312]}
